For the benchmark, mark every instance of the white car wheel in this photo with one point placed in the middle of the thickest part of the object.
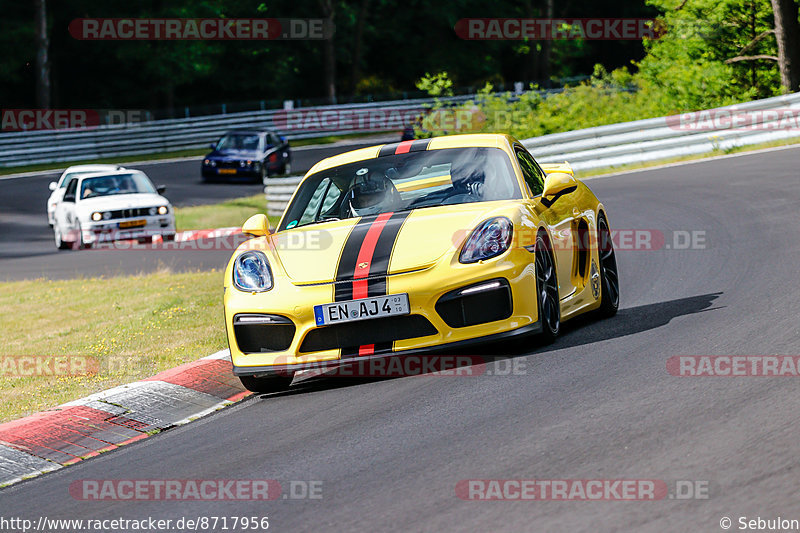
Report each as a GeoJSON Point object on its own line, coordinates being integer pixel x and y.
{"type": "Point", "coordinates": [60, 243]}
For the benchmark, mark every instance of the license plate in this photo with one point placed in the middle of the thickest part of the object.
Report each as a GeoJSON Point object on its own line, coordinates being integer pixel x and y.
{"type": "Point", "coordinates": [227, 171]}
{"type": "Point", "coordinates": [133, 224]}
{"type": "Point", "coordinates": [362, 309]}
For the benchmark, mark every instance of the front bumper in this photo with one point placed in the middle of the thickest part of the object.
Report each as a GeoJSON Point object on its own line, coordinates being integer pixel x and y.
{"type": "Point", "coordinates": [289, 369]}
{"type": "Point", "coordinates": [110, 230]}
{"type": "Point", "coordinates": [425, 289]}
{"type": "Point", "coordinates": [231, 172]}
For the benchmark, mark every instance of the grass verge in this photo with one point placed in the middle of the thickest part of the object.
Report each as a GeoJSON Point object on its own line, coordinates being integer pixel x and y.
{"type": "Point", "coordinates": [130, 327]}
{"type": "Point", "coordinates": [227, 214]}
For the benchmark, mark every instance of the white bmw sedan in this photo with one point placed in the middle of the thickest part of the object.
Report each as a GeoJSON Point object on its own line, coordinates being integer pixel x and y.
{"type": "Point", "coordinates": [57, 187]}
{"type": "Point", "coordinates": [111, 206]}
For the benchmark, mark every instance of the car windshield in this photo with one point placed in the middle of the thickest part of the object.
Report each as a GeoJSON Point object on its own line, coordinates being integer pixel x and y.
{"type": "Point", "coordinates": [77, 174]}
{"type": "Point", "coordinates": [402, 182]}
{"type": "Point", "coordinates": [238, 141]}
{"type": "Point", "coordinates": [116, 184]}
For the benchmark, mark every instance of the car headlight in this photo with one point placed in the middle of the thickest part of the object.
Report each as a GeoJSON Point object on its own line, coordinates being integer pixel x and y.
{"type": "Point", "coordinates": [213, 163]}
{"type": "Point", "coordinates": [251, 272]}
{"type": "Point", "coordinates": [107, 215]}
{"type": "Point", "coordinates": [97, 216]}
{"type": "Point", "coordinates": [241, 164]}
{"type": "Point", "coordinates": [163, 210]}
{"type": "Point", "coordinates": [490, 239]}
{"type": "Point", "coordinates": [206, 162]}
{"type": "Point", "coordinates": [152, 211]}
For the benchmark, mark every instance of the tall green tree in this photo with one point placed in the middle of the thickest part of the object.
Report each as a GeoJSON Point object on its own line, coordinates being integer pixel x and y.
{"type": "Point", "coordinates": [787, 34]}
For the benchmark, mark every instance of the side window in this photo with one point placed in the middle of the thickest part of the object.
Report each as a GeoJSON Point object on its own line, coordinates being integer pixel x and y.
{"type": "Point", "coordinates": [533, 175]}
{"type": "Point", "coordinates": [322, 201]}
{"type": "Point", "coordinates": [72, 188]}
{"type": "Point", "coordinates": [272, 139]}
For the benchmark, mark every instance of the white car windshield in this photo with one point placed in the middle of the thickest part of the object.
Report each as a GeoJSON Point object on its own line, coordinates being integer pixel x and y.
{"type": "Point", "coordinates": [70, 175]}
{"type": "Point", "coordinates": [116, 184]}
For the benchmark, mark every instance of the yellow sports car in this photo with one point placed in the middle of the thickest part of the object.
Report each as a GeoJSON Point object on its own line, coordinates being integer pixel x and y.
{"type": "Point", "coordinates": [402, 248]}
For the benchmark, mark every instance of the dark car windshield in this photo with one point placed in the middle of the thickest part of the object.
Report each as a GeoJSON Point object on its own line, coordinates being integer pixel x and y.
{"type": "Point", "coordinates": [116, 184]}
{"type": "Point", "coordinates": [238, 141]}
{"type": "Point", "coordinates": [402, 182]}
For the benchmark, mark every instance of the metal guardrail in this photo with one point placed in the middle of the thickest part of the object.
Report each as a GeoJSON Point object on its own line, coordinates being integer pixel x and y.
{"type": "Point", "coordinates": [109, 141]}
{"type": "Point", "coordinates": [632, 142]}
{"type": "Point", "coordinates": [666, 137]}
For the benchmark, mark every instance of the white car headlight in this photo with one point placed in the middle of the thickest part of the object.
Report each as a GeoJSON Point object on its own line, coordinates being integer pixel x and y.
{"type": "Point", "coordinates": [97, 216]}
{"type": "Point", "coordinates": [163, 210]}
{"type": "Point", "coordinates": [251, 272]}
{"type": "Point", "coordinates": [490, 239]}
{"type": "Point", "coordinates": [107, 215]}
{"type": "Point", "coordinates": [152, 211]}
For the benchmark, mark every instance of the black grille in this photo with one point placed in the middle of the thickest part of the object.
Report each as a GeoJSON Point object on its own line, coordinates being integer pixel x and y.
{"type": "Point", "coordinates": [375, 331]}
{"type": "Point", "coordinates": [131, 213]}
{"type": "Point", "coordinates": [263, 333]}
{"type": "Point", "coordinates": [228, 164]}
{"type": "Point", "coordinates": [460, 310]}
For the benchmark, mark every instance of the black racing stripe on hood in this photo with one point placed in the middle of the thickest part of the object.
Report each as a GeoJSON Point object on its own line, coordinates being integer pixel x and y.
{"type": "Point", "coordinates": [347, 261]}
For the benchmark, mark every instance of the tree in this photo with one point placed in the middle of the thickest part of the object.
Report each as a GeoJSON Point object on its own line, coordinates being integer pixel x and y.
{"type": "Point", "coordinates": [329, 51]}
{"type": "Point", "coordinates": [358, 40]}
{"type": "Point", "coordinates": [42, 59]}
{"type": "Point", "coordinates": [787, 33]}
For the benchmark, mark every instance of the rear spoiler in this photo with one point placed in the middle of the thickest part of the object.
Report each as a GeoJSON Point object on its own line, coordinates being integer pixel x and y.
{"type": "Point", "coordinates": [564, 167]}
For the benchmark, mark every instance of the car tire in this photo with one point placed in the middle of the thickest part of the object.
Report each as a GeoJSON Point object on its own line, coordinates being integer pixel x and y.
{"type": "Point", "coordinates": [266, 385]}
{"type": "Point", "coordinates": [60, 243]}
{"type": "Point", "coordinates": [80, 245]}
{"type": "Point", "coordinates": [547, 299]}
{"type": "Point", "coordinates": [609, 274]}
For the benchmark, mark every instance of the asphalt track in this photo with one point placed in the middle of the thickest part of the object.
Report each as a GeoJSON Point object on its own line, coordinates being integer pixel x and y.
{"type": "Point", "coordinates": [597, 404]}
{"type": "Point", "coordinates": [27, 250]}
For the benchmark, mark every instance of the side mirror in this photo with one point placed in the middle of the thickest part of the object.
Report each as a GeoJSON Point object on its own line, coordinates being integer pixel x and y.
{"type": "Point", "coordinates": [559, 183]}
{"type": "Point", "coordinates": [53, 185]}
{"type": "Point", "coordinates": [161, 189]}
{"type": "Point", "coordinates": [256, 225]}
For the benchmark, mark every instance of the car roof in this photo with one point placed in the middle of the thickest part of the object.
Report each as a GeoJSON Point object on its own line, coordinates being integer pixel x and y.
{"type": "Point", "coordinates": [249, 131]}
{"type": "Point", "coordinates": [476, 140]}
{"type": "Point", "coordinates": [91, 168]}
{"type": "Point", "coordinates": [111, 173]}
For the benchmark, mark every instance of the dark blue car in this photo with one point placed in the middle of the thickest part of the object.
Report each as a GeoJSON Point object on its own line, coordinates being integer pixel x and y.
{"type": "Point", "coordinates": [248, 154]}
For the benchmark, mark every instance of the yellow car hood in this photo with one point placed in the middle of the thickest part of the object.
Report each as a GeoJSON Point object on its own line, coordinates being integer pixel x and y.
{"type": "Point", "coordinates": [312, 254]}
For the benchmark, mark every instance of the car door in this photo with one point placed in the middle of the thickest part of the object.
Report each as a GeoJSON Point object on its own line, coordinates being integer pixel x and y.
{"type": "Point", "coordinates": [65, 214]}
{"type": "Point", "coordinates": [558, 217]}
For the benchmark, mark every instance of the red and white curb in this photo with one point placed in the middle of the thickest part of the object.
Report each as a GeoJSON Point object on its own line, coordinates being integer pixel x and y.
{"type": "Point", "coordinates": [194, 235]}
{"type": "Point", "coordinates": [104, 421]}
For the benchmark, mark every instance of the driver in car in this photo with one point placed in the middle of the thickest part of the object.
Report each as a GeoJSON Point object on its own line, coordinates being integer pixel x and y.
{"type": "Point", "coordinates": [370, 194]}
